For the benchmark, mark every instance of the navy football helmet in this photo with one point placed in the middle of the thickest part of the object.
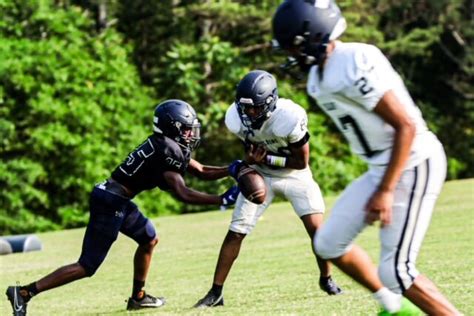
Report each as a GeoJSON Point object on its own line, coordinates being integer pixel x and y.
{"type": "Point", "coordinates": [177, 120]}
{"type": "Point", "coordinates": [304, 28]}
{"type": "Point", "coordinates": [256, 98]}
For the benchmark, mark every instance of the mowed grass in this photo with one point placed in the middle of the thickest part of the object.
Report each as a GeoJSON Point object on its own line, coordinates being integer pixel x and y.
{"type": "Point", "coordinates": [275, 273]}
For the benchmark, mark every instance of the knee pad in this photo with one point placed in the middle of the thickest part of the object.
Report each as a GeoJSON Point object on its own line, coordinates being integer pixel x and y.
{"type": "Point", "coordinates": [142, 231]}
{"type": "Point", "coordinates": [397, 278]}
{"type": "Point", "coordinates": [146, 235]}
{"type": "Point", "coordinates": [328, 248]}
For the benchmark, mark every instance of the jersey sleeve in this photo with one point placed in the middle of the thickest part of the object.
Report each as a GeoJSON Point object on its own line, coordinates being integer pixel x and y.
{"type": "Point", "coordinates": [293, 124]}
{"type": "Point", "coordinates": [174, 159]}
{"type": "Point", "coordinates": [367, 84]}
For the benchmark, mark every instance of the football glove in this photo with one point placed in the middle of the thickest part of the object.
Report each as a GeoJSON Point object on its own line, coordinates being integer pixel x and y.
{"type": "Point", "coordinates": [235, 167]}
{"type": "Point", "coordinates": [230, 196]}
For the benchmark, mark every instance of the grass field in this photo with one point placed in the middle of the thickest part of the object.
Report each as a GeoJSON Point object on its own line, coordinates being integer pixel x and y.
{"type": "Point", "coordinates": [274, 275]}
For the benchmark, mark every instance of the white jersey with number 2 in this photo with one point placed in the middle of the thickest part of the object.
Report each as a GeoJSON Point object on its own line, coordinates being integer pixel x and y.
{"type": "Point", "coordinates": [355, 78]}
{"type": "Point", "coordinates": [287, 125]}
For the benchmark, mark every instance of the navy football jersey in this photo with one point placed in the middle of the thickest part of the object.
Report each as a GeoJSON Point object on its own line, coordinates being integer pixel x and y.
{"type": "Point", "coordinates": [144, 167]}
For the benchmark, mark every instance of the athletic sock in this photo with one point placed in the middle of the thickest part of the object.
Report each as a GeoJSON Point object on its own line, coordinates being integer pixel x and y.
{"type": "Point", "coordinates": [324, 279]}
{"type": "Point", "coordinates": [138, 293]}
{"type": "Point", "coordinates": [217, 289]}
{"type": "Point", "coordinates": [390, 301]}
{"type": "Point", "coordinates": [28, 291]}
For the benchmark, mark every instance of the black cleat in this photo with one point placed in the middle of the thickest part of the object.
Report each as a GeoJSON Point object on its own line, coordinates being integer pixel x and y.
{"type": "Point", "coordinates": [329, 286]}
{"type": "Point", "coordinates": [147, 301]}
{"type": "Point", "coordinates": [17, 300]}
{"type": "Point", "coordinates": [210, 300]}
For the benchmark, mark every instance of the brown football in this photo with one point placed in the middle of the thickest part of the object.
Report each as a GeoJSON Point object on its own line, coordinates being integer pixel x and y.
{"type": "Point", "coordinates": [252, 185]}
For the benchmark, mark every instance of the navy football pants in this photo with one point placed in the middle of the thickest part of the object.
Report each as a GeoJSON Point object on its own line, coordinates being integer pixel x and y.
{"type": "Point", "coordinates": [109, 215]}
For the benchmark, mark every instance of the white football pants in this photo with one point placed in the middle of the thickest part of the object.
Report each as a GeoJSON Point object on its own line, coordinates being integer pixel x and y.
{"type": "Point", "coordinates": [297, 186]}
{"type": "Point", "coordinates": [414, 200]}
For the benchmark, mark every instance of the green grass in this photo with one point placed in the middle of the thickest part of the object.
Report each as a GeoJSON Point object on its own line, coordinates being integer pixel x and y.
{"type": "Point", "coordinates": [275, 273]}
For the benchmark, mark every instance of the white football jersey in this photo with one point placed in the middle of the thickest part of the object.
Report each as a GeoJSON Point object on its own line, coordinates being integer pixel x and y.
{"type": "Point", "coordinates": [355, 78]}
{"type": "Point", "coordinates": [287, 124]}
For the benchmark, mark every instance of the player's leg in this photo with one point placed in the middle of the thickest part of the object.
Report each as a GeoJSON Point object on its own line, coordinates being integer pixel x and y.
{"type": "Point", "coordinates": [228, 254]}
{"type": "Point", "coordinates": [142, 231]}
{"type": "Point", "coordinates": [414, 202]}
{"type": "Point", "coordinates": [334, 241]}
{"type": "Point", "coordinates": [305, 196]}
{"type": "Point", "coordinates": [244, 219]}
{"type": "Point", "coordinates": [101, 232]}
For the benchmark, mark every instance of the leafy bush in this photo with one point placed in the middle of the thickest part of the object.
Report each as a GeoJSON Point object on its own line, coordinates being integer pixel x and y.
{"type": "Point", "coordinates": [72, 107]}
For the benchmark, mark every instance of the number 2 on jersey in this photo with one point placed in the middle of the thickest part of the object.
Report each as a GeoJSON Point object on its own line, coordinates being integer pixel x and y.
{"type": "Point", "coordinates": [349, 120]}
{"type": "Point", "coordinates": [361, 83]}
{"type": "Point", "coordinates": [136, 159]}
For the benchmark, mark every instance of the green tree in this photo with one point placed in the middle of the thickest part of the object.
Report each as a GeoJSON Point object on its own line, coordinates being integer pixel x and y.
{"type": "Point", "coordinates": [71, 107]}
{"type": "Point", "coordinates": [431, 44]}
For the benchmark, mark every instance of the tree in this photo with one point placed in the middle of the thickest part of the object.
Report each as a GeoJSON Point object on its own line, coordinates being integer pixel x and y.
{"type": "Point", "coordinates": [71, 103]}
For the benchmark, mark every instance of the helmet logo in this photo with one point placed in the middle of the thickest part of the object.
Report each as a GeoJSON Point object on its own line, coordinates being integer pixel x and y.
{"type": "Point", "coordinates": [321, 4]}
{"type": "Point", "coordinates": [247, 101]}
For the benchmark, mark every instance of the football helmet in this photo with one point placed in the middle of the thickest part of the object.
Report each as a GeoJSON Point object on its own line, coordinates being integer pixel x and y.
{"type": "Point", "coordinates": [304, 28]}
{"type": "Point", "coordinates": [177, 120]}
{"type": "Point", "coordinates": [256, 98]}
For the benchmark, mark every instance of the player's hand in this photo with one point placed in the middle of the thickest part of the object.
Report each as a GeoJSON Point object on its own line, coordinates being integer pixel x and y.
{"type": "Point", "coordinates": [379, 207]}
{"type": "Point", "coordinates": [255, 155]}
{"type": "Point", "coordinates": [235, 167]}
{"type": "Point", "coordinates": [230, 196]}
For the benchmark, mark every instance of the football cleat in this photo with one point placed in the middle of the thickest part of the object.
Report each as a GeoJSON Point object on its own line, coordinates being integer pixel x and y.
{"type": "Point", "coordinates": [407, 309]}
{"type": "Point", "coordinates": [17, 300]}
{"type": "Point", "coordinates": [329, 286]}
{"type": "Point", "coordinates": [210, 300]}
{"type": "Point", "coordinates": [147, 301]}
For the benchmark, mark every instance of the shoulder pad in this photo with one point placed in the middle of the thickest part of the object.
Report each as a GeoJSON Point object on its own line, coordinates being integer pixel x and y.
{"type": "Point", "coordinates": [287, 116]}
{"type": "Point", "coordinates": [366, 57]}
{"type": "Point", "coordinates": [174, 157]}
{"type": "Point", "coordinates": [232, 119]}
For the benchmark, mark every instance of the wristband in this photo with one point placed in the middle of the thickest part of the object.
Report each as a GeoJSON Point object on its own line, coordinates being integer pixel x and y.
{"type": "Point", "coordinates": [276, 161]}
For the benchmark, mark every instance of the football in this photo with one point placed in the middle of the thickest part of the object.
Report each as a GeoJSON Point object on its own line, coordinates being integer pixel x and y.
{"type": "Point", "coordinates": [251, 185]}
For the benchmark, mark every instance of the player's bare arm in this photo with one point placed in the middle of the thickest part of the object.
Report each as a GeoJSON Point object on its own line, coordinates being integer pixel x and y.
{"type": "Point", "coordinates": [299, 157]}
{"type": "Point", "coordinates": [204, 172]}
{"type": "Point", "coordinates": [179, 189]}
{"type": "Point", "coordinates": [391, 111]}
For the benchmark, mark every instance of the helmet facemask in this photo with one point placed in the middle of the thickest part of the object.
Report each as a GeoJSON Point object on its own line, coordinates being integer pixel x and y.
{"type": "Point", "coordinates": [305, 52]}
{"type": "Point", "coordinates": [263, 110]}
{"type": "Point", "coordinates": [187, 135]}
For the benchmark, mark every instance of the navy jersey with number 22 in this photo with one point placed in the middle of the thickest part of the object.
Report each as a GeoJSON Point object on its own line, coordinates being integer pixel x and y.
{"type": "Point", "coordinates": [144, 167]}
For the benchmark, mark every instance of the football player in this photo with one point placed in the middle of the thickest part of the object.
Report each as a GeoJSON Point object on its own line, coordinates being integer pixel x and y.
{"type": "Point", "coordinates": [160, 161]}
{"type": "Point", "coordinates": [357, 87]}
{"type": "Point", "coordinates": [274, 131]}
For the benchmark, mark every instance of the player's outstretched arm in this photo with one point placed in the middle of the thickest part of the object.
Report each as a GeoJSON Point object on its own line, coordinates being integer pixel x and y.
{"type": "Point", "coordinates": [204, 172]}
{"type": "Point", "coordinates": [179, 189]}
